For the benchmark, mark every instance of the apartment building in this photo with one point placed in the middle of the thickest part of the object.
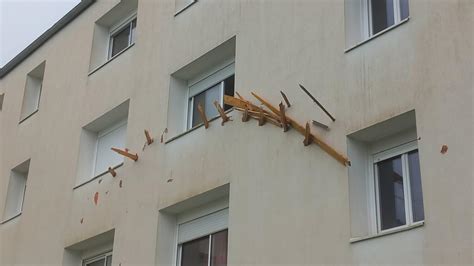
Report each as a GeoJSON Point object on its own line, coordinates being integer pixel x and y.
{"type": "Point", "coordinates": [387, 181]}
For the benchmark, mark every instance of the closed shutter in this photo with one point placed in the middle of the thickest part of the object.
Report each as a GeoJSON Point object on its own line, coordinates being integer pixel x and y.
{"type": "Point", "coordinates": [202, 226]}
{"type": "Point", "coordinates": [105, 157]}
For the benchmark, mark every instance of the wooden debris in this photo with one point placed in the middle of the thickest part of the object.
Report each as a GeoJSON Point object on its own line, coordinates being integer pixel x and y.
{"type": "Point", "coordinates": [112, 172]}
{"type": "Point", "coordinates": [245, 115]}
{"type": "Point", "coordinates": [284, 123]}
{"type": "Point", "coordinates": [149, 139]}
{"type": "Point", "coordinates": [203, 116]}
{"type": "Point", "coordinates": [223, 115]}
{"type": "Point", "coordinates": [326, 147]}
{"type": "Point", "coordinates": [321, 125]}
{"type": "Point", "coordinates": [444, 149]}
{"type": "Point", "coordinates": [242, 104]}
{"type": "Point", "coordinates": [126, 154]}
{"type": "Point", "coordinates": [261, 118]}
{"type": "Point", "coordinates": [240, 96]}
{"type": "Point", "coordinates": [286, 99]}
{"type": "Point", "coordinates": [307, 135]}
{"type": "Point", "coordinates": [317, 102]}
{"type": "Point", "coordinates": [162, 134]}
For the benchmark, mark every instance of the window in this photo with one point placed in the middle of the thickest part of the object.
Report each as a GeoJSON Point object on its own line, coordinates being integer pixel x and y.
{"type": "Point", "coordinates": [16, 191]}
{"type": "Point", "coordinates": [204, 80]}
{"type": "Point", "coordinates": [398, 188]}
{"type": "Point", "coordinates": [101, 260]}
{"type": "Point", "coordinates": [206, 98]}
{"type": "Point", "coordinates": [114, 32]}
{"type": "Point", "coordinates": [385, 191]}
{"type": "Point", "coordinates": [122, 37]}
{"type": "Point", "coordinates": [366, 18]}
{"type": "Point", "coordinates": [32, 93]}
{"type": "Point", "coordinates": [97, 139]}
{"type": "Point", "coordinates": [203, 241]}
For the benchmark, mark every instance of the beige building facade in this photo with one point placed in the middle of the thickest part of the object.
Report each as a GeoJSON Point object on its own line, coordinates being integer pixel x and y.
{"type": "Point", "coordinates": [396, 76]}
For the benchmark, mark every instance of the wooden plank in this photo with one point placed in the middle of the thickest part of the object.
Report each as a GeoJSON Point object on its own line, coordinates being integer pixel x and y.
{"type": "Point", "coordinates": [203, 116]}
{"type": "Point", "coordinates": [126, 154]}
{"type": "Point", "coordinates": [307, 135]}
{"type": "Point", "coordinates": [149, 139]}
{"type": "Point", "coordinates": [321, 125]}
{"type": "Point", "coordinates": [286, 99]}
{"type": "Point", "coordinates": [284, 123]}
{"type": "Point", "coordinates": [242, 104]}
{"type": "Point", "coordinates": [112, 172]}
{"type": "Point", "coordinates": [326, 147]}
{"type": "Point", "coordinates": [223, 115]}
{"type": "Point", "coordinates": [317, 102]}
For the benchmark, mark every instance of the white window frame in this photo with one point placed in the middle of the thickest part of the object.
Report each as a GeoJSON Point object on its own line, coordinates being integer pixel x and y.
{"type": "Point", "coordinates": [127, 22]}
{"type": "Point", "coordinates": [204, 84]}
{"type": "Point", "coordinates": [104, 256]}
{"type": "Point", "coordinates": [101, 134]}
{"type": "Point", "coordinates": [374, 203]}
{"type": "Point", "coordinates": [370, 27]}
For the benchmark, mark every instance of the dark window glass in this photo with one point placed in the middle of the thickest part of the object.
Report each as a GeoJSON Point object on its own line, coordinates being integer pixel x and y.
{"type": "Point", "coordinates": [229, 89]}
{"type": "Point", "coordinates": [100, 262]}
{"type": "Point", "coordinates": [404, 13]}
{"type": "Point", "coordinates": [109, 260]}
{"type": "Point", "coordinates": [120, 41]}
{"type": "Point", "coordinates": [391, 193]}
{"type": "Point", "coordinates": [195, 253]}
{"type": "Point", "coordinates": [219, 249]}
{"type": "Point", "coordinates": [382, 15]}
{"type": "Point", "coordinates": [415, 186]}
{"type": "Point", "coordinates": [206, 99]}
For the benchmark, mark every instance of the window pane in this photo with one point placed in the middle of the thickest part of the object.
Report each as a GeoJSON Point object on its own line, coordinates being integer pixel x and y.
{"type": "Point", "coordinates": [206, 99]}
{"type": "Point", "coordinates": [195, 253]}
{"type": "Point", "coordinates": [415, 186]}
{"type": "Point", "coordinates": [134, 31]}
{"type": "Point", "coordinates": [100, 262]}
{"type": "Point", "coordinates": [229, 89]}
{"type": "Point", "coordinates": [391, 197]}
{"type": "Point", "coordinates": [105, 157]}
{"type": "Point", "coordinates": [219, 249]}
{"type": "Point", "coordinates": [109, 260]}
{"type": "Point", "coordinates": [382, 15]}
{"type": "Point", "coordinates": [120, 41]}
{"type": "Point", "coordinates": [404, 9]}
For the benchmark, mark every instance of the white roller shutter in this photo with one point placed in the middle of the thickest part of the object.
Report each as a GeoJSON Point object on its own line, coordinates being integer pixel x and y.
{"type": "Point", "coordinates": [202, 226]}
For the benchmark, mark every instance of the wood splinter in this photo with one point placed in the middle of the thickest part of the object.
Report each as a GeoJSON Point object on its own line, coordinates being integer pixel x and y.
{"type": "Point", "coordinates": [126, 154]}
{"type": "Point", "coordinates": [284, 123]}
{"type": "Point", "coordinates": [203, 116]}
{"type": "Point", "coordinates": [307, 135]}
{"type": "Point", "coordinates": [261, 118]}
{"type": "Point", "coordinates": [245, 115]}
{"type": "Point", "coordinates": [317, 103]}
{"type": "Point", "coordinates": [286, 99]}
{"type": "Point", "coordinates": [149, 139]}
{"type": "Point", "coordinates": [112, 172]}
{"type": "Point", "coordinates": [321, 125]}
{"type": "Point", "coordinates": [223, 115]}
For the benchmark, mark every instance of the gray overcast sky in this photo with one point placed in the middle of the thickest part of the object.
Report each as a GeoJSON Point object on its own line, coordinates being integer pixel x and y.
{"type": "Point", "coordinates": [22, 21]}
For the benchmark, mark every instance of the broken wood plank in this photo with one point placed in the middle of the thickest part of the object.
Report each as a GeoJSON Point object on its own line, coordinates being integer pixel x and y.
{"type": "Point", "coordinates": [242, 104]}
{"type": "Point", "coordinates": [245, 115]}
{"type": "Point", "coordinates": [256, 115]}
{"type": "Point", "coordinates": [261, 119]}
{"type": "Point", "coordinates": [317, 102]}
{"type": "Point", "coordinates": [321, 125]}
{"type": "Point", "coordinates": [286, 99]}
{"type": "Point", "coordinates": [223, 115]}
{"type": "Point", "coordinates": [203, 116]}
{"type": "Point", "coordinates": [284, 123]}
{"type": "Point", "coordinates": [149, 139]}
{"type": "Point", "coordinates": [126, 154]}
{"type": "Point", "coordinates": [326, 147]}
{"type": "Point", "coordinates": [307, 135]}
{"type": "Point", "coordinates": [112, 172]}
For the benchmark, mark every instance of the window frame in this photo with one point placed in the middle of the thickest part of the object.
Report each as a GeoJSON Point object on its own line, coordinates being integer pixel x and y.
{"type": "Point", "coordinates": [226, 71]}
{"type": "Point", "coordinates": [100, 135]}
{"type": "Point", "coordinates": [401, 150]}
{"type": "Point", "coordinates": [115, 30]}
{"type": "Point", "coordinates": [95, 258]}
{"type": "Point", "coordinates": [396, 17]}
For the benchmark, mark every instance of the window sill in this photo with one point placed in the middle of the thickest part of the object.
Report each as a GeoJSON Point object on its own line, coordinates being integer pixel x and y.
{"type": "Point", "coordinates": [110, 60]}
{"type": "Point", "coordinates": [95, 177]}
{"type": "Point", "coordinates": [11, 218]}
{"type": "Point", "coordinates": [184, 8]}
{"type": "Point", "coordinates": [196, 127]}
{"type": "Point", "coordinates": [393, 231]}
{"type": "Point", "coordinates": [377, 35]}
{"type": "Point", "coordinates": [28, 116]}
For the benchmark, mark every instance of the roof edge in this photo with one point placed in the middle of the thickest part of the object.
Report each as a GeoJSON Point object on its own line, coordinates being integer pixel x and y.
{"type": "Point", "coordinates": [64, 21]}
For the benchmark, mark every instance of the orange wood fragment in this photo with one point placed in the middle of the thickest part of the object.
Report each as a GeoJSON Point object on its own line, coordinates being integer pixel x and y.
{"type": "Point", "coordinates": [126, 154]}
